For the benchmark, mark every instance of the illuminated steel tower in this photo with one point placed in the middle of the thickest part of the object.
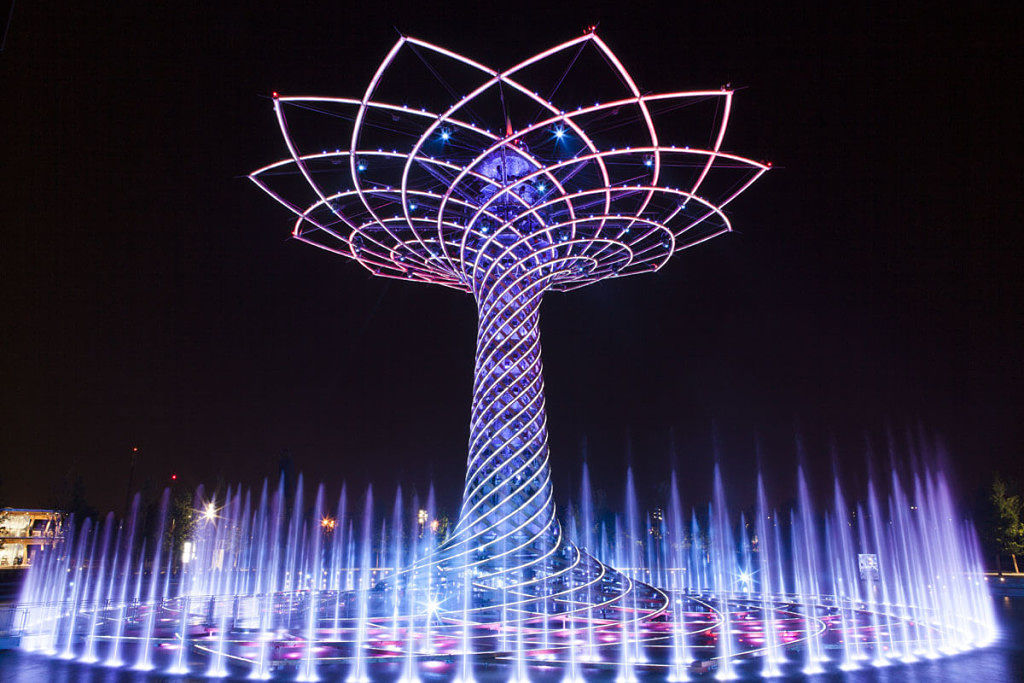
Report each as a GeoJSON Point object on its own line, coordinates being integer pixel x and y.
{"type": "Point", "coordinates": [573, 185]}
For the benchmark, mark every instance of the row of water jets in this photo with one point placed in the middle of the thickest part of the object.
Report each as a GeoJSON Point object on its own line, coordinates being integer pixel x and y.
{"type": "Point", "coordinates": [278, 581]}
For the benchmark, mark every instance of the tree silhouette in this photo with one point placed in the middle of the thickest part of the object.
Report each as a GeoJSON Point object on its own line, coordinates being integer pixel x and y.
{"type": "Point", "coordinates": [1008, 527]}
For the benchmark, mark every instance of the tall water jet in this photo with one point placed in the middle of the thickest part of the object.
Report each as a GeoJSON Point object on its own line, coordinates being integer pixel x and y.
{"type": "Point", "coordinates": [267, 582]}
{"type": "Point", "coordinates": [93, 607]}
{"type": "Point", "coordinates": [807, 576]}
{"type": "Point", "coordinates": [339, 571]}
{"type": "Point", "coordinates": [745, 573]}
{"type": "Point", "coordinates": [78, 579]}
{"type": "Point", "coordinates": [396, 561]}
{"type": "Point", "coordinates": [680, 650]}
{"type": "Point", "coordinates": [698, 556]}
{"type": "Point", "coordinates": [632, 558]}
{"type": "Point", "coordinates": [519, 674]}
{"type": "Point", "coordinates": [587, 510]}
{"type": "Point", "coordinates": [186, 590]}
{"type": "Point", "coordinates": [848, 589]}
{"type": "Point", "coordinates": [413, 598]}
{"type": "Point", "coordinates": [723, 560]}
{"type": "Point", "coordinates": [465, 674]}
{"type": "Point", "coordinates": [308, 672]}
{"type": "Point", "coordinates": [767, 557]}
{"type": "Point", "coordinates": [898, 511]}
{"type": "Point", "coordinates": [220, 553]}
{"type": "Point", "coordinates": [114, 656]}
{"type": "Point", "coordinates": [359, 673]}
{"type": "Point", "coordinates": [573, 675]}
{"type": "Point", "coordinates": [144, 661]}
{"type": "Point", "coordinates": [878, 541]}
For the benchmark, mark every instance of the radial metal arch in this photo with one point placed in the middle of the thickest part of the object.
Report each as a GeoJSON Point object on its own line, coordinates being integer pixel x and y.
{"type": "Point", "coordinates": [431, 212]}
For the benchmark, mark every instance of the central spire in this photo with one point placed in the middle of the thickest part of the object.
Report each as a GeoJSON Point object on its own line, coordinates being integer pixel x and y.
{"type": "Point", "coordinates": [507, 504]}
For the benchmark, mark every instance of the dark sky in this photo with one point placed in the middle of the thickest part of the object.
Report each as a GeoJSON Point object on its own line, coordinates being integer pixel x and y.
{"type": "Point", "coordinates": [151, 296]}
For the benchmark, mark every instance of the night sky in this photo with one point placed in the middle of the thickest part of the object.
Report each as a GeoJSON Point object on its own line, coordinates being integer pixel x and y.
{"type": "Point", "coordinates": [151, 296]}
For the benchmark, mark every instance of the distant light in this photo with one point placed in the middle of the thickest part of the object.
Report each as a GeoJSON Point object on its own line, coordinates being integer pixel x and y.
{"type": "Point", "coordinates": [445, 134]}
{"type": "Point", "coordinates": [559, 132]}
{"type": "Point", "coordinates": [648, 162]}
{"type": "Point", "coordinates": [174, 477]}
{"type": "Point", "coordinates": [412, 207]}
{"type": "Point", "coordinates": [360, 166]}
{"type": "Point", "coordinates": [541, 187]}
{"type": "Point", "coordinates": [210, 512]}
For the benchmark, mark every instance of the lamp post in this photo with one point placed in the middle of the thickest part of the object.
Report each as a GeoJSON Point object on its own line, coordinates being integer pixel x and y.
{"type": "Point", "coordinates": [131, 480]}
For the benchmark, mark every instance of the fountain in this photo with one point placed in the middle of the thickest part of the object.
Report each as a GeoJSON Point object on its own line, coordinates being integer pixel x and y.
{"type": "Point", "coordinates": [923, 597]}
{"type": "Point", "coordinates": [267, 586]}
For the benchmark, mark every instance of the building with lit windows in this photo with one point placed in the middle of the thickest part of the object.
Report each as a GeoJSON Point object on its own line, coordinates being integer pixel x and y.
{"type": "Point", "coordinates": [26, 532]}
